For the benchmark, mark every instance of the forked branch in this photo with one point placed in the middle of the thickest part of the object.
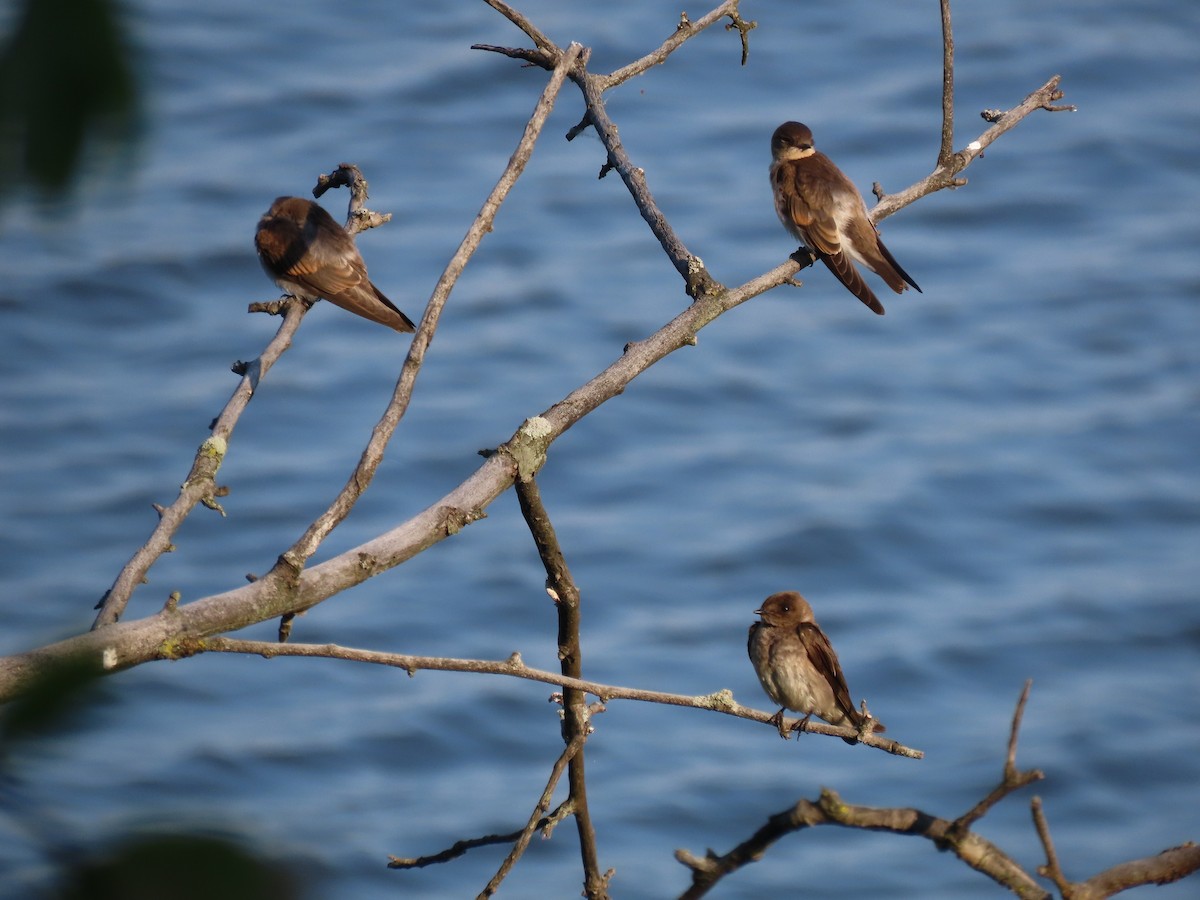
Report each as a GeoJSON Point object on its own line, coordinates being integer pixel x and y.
{"type": "Point", "coordinates": [954, 835]}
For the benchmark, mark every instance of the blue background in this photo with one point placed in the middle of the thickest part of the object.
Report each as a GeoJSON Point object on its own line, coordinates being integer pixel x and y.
{"type": "Point", "coordinates": [996, 481]}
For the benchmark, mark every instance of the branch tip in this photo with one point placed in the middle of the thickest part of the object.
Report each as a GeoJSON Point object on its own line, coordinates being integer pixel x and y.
{"type": "Point", "coordinates": [743, 29]}
{"type": "Point", "coordinates": [1010, 766]}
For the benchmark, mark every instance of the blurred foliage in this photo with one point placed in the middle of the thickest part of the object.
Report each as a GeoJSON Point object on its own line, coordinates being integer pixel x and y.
{"type": "Point", "coordinates": [181, 867]}
{"type": "Point", "coordinates": [132, 866]}
{"type": "Point", "coordinates": [53, 702]}
{"type": "Point", "coordinates": [66, 88]}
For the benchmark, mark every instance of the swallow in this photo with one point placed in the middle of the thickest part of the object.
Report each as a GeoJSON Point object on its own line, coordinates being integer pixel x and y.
{"type": "Point", "coordinates": [797, 666]}
{"type": "Point", "coordinates": [310, 256]}
{"type": "Point", "coordinates": [821, 207]}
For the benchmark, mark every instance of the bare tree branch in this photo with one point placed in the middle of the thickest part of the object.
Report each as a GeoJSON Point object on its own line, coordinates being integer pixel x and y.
{"type": "Point", "coordinates": [1051, 870]}
{"type": "Point", "coordinates": [519, 19]}
{"type": "Point", "coordinates": [156, 637]}
{"type": "Point", "coordinates": [830, 809]}
{"type": "Point", "coordinates": [721, 701]}
{"type": "Point", "coordinates": [572, 750]}
{"type": "Point", "coordinates": [1012, 779]}
{"type": "Point", "coordinates": [945, 175]}
{"type": "Point", "coordinates": [1164, 868]}
{"type": "Point", "coordinates": [538, 821]}
{"type": "Point", "coordinates": [685, 30]}
{"type": "Point", "coordinates": [358, 219]}
{"type": "Point", "coordinates": [459, 848]}
{"type": "Point", "coordinates": [947, 147]}
{"type": "Point", "coordinates": [563, 591]}
{"type": "Point", "coordinates": [699, 283]}
{"type": "Point", "coordinates": [179, 631]}
{"type": "Point", "coordinates": [956, 836]}
{"type": "Point", "coordinates": [293, 560]}
{"type": "Point", "coordinates": [547, 54]}
{"type": "Point", "coordinates": [200, 486]}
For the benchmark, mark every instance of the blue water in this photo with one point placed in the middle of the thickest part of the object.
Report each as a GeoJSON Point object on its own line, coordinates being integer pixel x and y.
{"type": "Point", "coordinates": [997, 481]}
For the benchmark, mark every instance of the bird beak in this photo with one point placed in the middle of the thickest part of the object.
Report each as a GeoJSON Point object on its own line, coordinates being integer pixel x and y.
{"type": "Point", "coordinates": [758, 612]}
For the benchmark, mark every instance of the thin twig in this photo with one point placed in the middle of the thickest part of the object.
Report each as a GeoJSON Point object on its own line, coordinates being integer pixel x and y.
{"type": "Point", "coordinates": [543, 804]}
{"type": "Point", "coordinates": [521, 21]}
{"type": "Point", "coordinates": [1051, 869]}
{"type": "Point", "coordinates": [460, 848]}
{"type": "Point", "coordinates": [720, 701]}
{"type": "Point", "coordinates": [945, 176]}
{"type": "Point", "coordinates": [690, 267]}
{"type": "Point", "coordinates": [534, 57]}
{"type": "Point", "coordinates": [1011, 780]}
{"type": "Point", "coordinates": [547, 54]}
{"type": "Point", "coordinates": [1010, 760]}
{"type": "Point", "coordinates": [699, 282]}
{"type": "Point", "coordinates": [743, 28]}
{"type": "Point", "coordinates": [685, 30]}
{"type": "Point", "coordinates": [200, 485]}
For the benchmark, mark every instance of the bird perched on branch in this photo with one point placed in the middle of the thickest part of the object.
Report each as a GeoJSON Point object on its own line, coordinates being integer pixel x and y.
{"type": "Point", "coordinates": [821, 207]}
{"type": "Point", "coordinates": [310, 256]}
{"type": "Point", "coordinates": [797, 666]}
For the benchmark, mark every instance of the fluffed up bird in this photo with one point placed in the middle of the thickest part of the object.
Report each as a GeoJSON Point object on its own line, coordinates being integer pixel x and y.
{"type": "Point", "coordinates": [310, 256]}
{"type": "Point", "coordinates": [821, 207]}
{"type": "Point", "coordinates": [797, 666]}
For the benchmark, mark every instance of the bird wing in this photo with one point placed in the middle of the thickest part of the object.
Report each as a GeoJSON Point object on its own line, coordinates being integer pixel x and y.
{"type": "Point", "coordinates": [320, 260]}
{"type": "Point", "coordinates": [825, 661]}
{"type": "Point", "coordinates": [887, 254]}
{"type": "Point", "coordinates": [812, 213]}
{"type": "Point", "coordinates": [335, 269]}
{"type": "Point", "coordinates": [328, 281]}
{"type": "Point", "coordinates": [332, 264]}
{"type": "Point", "coordinates": [806, 208]}
{"type": "Point", "coordinates": [845, 272]}
{"type": "Point", "coordinates": [863, 244]}
{"type": "Point", "coordinates": [345, 284]}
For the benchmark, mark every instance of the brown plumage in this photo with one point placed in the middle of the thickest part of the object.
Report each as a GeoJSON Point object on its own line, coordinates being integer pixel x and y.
{"type": "Point", "coordinates": [309, 255]}
{"type": "Point", "coordinates": [797, 666]}
{"type": "Point", "coordinates": [821, 207]}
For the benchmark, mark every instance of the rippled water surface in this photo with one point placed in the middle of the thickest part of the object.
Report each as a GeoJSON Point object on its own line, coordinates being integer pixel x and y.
{"type": "Point", "coordinates": [996, 481]}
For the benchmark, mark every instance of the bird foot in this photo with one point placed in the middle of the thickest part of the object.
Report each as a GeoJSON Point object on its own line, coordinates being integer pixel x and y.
{"type": "Point", "coordinates": [804, 257]}
{"type": "Point", "coordinates": [786, 733]}
{"type": "Point", "coordinates": [777, 721]}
